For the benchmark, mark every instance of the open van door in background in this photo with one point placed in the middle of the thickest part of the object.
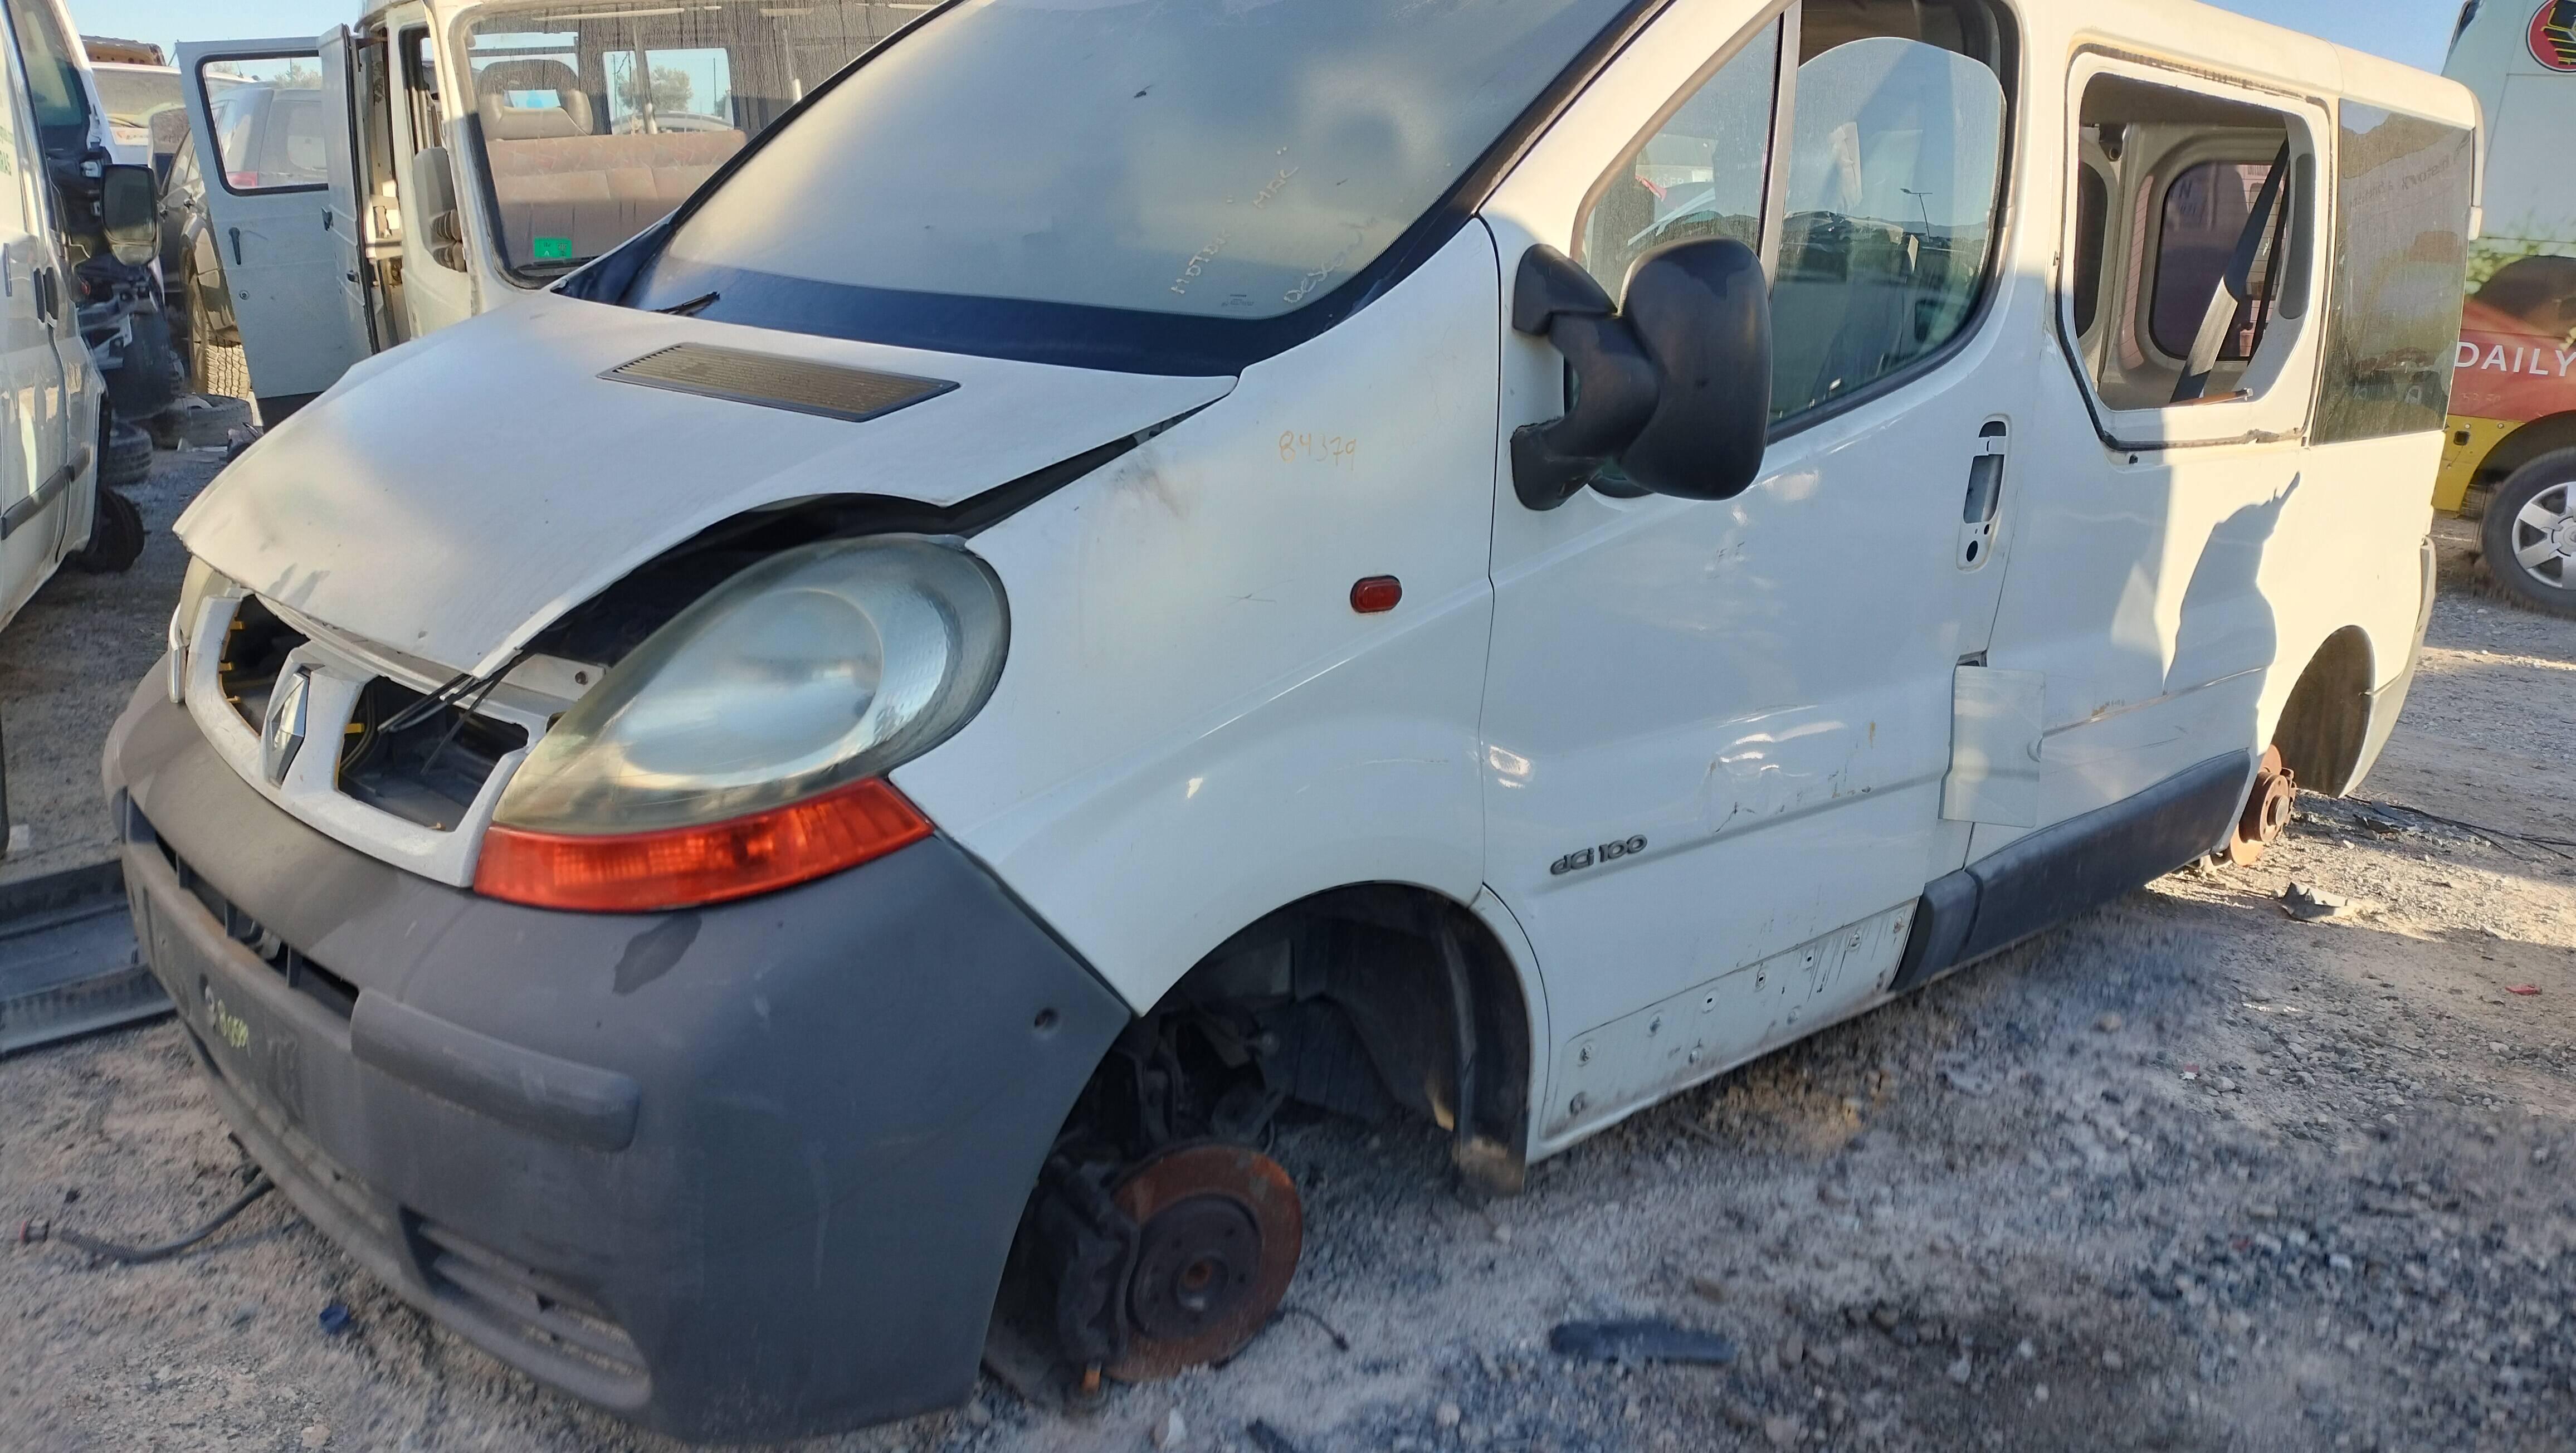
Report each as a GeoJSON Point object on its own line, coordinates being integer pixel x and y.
{"type": "Point", "coordinates": [272, 125]}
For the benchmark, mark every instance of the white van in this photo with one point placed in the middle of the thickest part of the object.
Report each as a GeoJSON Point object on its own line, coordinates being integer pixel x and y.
{"type": "Point", "coordinates": [73, 228]}
{"type": "Point", "coordinates": [356, 193]}
{"type": "Point", "coordinates": [1132, 563]}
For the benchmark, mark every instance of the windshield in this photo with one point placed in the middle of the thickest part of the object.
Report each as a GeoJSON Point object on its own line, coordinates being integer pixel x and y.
{"type": "Point", "coordinates": [598, 119]}
{"type": "Point", "coordinates": [133, 97]}
{"type": "Point", "coordinates": [1216, 159]}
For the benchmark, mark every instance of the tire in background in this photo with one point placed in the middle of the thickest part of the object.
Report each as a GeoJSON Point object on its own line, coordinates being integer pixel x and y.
{"type": "Point", "coordinates": [115, 536]}
{"type": "Point", "coordinates": [2545, 489]}
{"type": "Point", "coordinates": [128, 459]}
{"type": "Point", "coordinates": [116, 524]}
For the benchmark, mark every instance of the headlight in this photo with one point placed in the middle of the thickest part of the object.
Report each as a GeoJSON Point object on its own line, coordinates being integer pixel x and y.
{"type": "Point", "coordinates": [737, 749]}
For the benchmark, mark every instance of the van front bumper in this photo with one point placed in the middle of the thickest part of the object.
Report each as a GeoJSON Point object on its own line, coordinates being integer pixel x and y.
{"type": "Point", "coordinates": [750, 1171]}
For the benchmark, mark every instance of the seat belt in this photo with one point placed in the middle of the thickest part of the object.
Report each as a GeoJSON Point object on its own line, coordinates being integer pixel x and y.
{"type": "Point", "coordinates": [2234, 286]}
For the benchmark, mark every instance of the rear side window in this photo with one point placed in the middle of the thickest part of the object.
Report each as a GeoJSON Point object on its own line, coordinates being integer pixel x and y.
{"type": "Point", "coordinates": [2400, 257]}
{"type": "Point", "coordinates": [2190, 262]}
{"type": "Point", "coordinates": [2205, 214]}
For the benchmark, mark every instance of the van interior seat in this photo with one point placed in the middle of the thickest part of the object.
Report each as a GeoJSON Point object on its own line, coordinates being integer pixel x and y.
{"type": "Point", "coordinates": [597, 191]}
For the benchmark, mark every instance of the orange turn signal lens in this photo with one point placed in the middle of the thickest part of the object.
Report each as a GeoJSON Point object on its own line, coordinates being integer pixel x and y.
{"type": "Point", "coordinates": [682, 867]}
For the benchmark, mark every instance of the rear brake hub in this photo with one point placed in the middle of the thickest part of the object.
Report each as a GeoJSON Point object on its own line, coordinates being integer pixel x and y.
{"type": "Point", "coordinates": [2267, 810]}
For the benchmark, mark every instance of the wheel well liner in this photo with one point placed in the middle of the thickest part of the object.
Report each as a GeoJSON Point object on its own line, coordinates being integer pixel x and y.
{"type": "Point", "coordinates": [1388, 996]}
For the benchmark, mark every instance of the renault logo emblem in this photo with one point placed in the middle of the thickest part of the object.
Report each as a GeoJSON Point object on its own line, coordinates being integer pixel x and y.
{"type": "Point", "coordinates": [284, 730]}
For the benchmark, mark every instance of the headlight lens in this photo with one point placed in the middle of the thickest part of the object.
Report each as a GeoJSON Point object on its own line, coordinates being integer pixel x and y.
{"type": "Point", "coordinates": [818, 667]}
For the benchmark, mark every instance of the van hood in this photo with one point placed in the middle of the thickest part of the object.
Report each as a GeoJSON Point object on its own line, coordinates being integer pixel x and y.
{"type": "Point", "coordinates": [453, 497]}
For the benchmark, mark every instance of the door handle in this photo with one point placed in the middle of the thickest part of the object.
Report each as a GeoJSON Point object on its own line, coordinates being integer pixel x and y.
{"type": "Point", "coordinates": [1985, 496]}
{"type": "Point", "coordinates": [236, 232]}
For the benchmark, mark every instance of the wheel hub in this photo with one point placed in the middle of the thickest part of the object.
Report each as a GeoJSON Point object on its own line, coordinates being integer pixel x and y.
{"type": "Point", "coordinates": [2267, 810]}
{"type": "Point", "coordinates": [1219, 1231]}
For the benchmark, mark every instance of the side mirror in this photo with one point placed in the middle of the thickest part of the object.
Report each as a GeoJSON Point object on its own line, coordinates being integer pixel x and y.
{"type": "Point", "coordinates": [1674, 386]}
{"type": "Point", "coordinates": [129, 213]}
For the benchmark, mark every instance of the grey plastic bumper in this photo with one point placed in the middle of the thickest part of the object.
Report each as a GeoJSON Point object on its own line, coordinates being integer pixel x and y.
{"type": "Point", "coordinates": [745, 1172]}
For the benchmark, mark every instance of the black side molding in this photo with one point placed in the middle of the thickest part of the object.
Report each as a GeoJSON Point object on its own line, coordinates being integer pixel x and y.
{"type": "Point", "coordinates": [576, 1104]}
{"type": "Point", "coordinates": [17, 515]}
{"type": "Point", "coordinates": [2081, 863]}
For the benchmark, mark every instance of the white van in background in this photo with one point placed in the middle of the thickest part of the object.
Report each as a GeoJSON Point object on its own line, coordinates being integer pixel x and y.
{"type": "Point", "coordinates": [814, 787]}
{"type": "Point", "coordinates": [439, 159]}
{"type": "Point", "coordinates": [132, 94]}
{"type": "Point", "coordinates": [74, 226]}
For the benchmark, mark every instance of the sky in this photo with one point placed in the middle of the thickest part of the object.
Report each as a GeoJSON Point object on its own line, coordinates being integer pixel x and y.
{"type": "Point", "coordinates": [2413, 31]}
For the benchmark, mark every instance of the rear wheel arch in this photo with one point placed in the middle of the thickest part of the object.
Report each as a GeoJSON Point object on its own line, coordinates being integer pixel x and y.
{"type": "Point", "coordinates": [2324, 726]}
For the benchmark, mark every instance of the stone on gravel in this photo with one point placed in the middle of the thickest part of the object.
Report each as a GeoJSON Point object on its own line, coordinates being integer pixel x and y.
{"type": "Point", "coordinates": [316, 1435]}
{"type": "Point", "coordinates": [2108, 1023]}
{"type": "Point", "coordinates": [2312, 905]}
{"type": "Point", "coordinates": [1171, 1431]}
{"type": "Point", "coordinates": [1447, 1415]}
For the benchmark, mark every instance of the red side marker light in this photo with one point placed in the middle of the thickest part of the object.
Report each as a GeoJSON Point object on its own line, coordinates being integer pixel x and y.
{"type": "Point", "coordinates": [1376, 593]}
{"type": "Point", "coordinates": [682, 867]}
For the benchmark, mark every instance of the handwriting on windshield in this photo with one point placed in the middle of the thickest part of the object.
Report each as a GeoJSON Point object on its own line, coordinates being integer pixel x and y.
{"type": "Point", "coordinates": [1198, 263]}
{"type": "Point", "coordinates": [1307, 285]}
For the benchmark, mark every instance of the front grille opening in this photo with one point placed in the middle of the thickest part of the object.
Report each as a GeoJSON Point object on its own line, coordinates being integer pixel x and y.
{"type": "Point", "coordinates": [255, 649]}
{"type": "Point", "coordinates": [428, 771]}
{"type": "Point", "coordinates": [550, 1315]}
{"type": "Point", "coordinates": [301, 974]}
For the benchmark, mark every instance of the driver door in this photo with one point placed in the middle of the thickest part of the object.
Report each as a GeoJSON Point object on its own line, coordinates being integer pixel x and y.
{"type": "Point", "coordinates": [274, 134]}
{"type": "Point", "coordinates": [1719, 732]}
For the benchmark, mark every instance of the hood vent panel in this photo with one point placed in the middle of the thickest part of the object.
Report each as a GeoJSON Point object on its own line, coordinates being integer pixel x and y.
{"type": "Point", "coordinates": [797, 384]}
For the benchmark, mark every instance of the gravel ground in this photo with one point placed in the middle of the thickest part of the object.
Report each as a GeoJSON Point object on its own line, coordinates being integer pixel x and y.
{"type": "Point", "coordinates": [2185, 1173]}
{"type": "Point", "coordinates": [67, 665]}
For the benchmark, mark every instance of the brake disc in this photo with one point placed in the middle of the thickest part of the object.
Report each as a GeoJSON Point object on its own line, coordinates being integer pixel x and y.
{"type": "Point", "coordinates": [1219, 1231]}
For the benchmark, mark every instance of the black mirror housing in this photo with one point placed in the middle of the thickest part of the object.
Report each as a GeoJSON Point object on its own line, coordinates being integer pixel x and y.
{"type": "Point", "coordinates": [1675, 386]}
{"type": "Point", "coordinates": [129, 207]}
{"type": "Point", "coordinates": [1702, 310]}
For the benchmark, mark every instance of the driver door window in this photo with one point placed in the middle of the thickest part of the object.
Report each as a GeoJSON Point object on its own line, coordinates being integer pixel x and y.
{"type": "Point", "coordinates": [1878, 229]}
{"type": "Point", "coordinates": [1703, 173]}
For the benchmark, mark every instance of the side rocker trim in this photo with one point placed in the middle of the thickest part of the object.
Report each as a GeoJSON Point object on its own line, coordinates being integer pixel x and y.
{"type": "Point", "coordinates": [2055, 873]}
